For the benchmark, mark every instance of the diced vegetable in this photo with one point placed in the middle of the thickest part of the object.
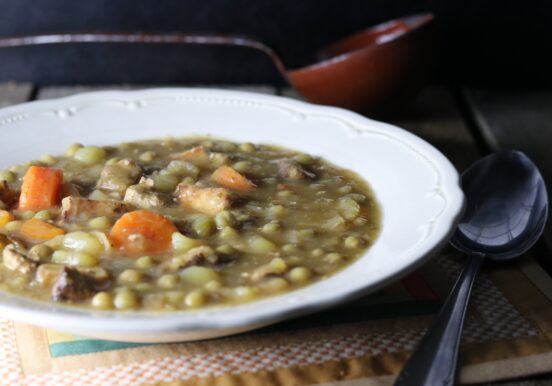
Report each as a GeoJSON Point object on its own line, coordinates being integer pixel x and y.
{"type": "Point", "coordinates": [35, 230]}
{"type": "Point", "coordinates": [198, 154]}
{"type": "Point", "coordinates": [90, 155]}
{"type": "Point", "coordinates": [41, 188]}
{"type": "Point", "coordinates": [206, 200]}
{"type": "Point", "coordinates": [83, 242]}
{"type": "Point", "coordinates": [142, 231]}
{"type": "Point", "coordinates": [229, 178]}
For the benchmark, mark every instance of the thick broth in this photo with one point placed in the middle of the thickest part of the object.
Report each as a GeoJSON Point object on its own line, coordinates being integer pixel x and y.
{"type": "Point", "coordinates": [297, 220]}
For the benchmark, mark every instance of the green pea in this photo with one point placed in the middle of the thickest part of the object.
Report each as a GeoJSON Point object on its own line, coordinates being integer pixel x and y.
{"type": "Point", "coordinates": [130, 276]}
{"type": "Point", "coordinates": [275, 211]}
{"type": "Point", "coordinates": [90, 155]}
{"type": "Point", "coordinates": [300, 275]}
{"type": "Point", "coordinates": [71, 150]}
{"type": "Point", "coordinates": [113, 160]}
{"type": "Point", "coordinates": [43, 215]}
{"type": "Point", "coordinates": [317, 252]}
{"type": "Point", "coordinates": [304, 159]}
{"type": "Point", "coordinates": [247, 147]}
{"type": "Point", "coordinates": [28, 214]}
{"type": "Point", "coordinates": [98, 195]}
{"type": "Point", "coordinates": [13, 226]}
{"type": "Point", "coordinates": [144, 262]}
{"type": "Point", "coordinates": [198, 275]}
{"type": "Point", "coordinates": [278, 264]}
{"type": "Point", "coordinates": [276, 284]}
{"type": "Point", "coordinates": [225, 249]}
{"type": "Point", "coordinates": [224, 219]}
{"type": "Point", "coordinates": [103, 301]}
{"type": "Point", "coordinates": [74, 258]}
{"type": "Point", "coordinates": [244, 292]}
{"type": "Point", "coordinates": [348, 208]}
{"type": "Point", "coordinates": [271, 228]}
{"type": "Point", "coordinates": [167, 281]}
{"type": "Point", "coordinates": [228, 233]}
{"type": "Point", "coordinates": [183, 244]}
{"type": "Point", "coordinates": [147, 156]}
{"type": "Point", "coordinates": [242, 166]}
{"type": "Point", "coordinates": [289, 248]}
{"type": "Point", "coordinates": [360, 198]}
{"type": "Point", "coordinates": [195, 299]}
{"type": "Point", "coordinates": [102, 223]}
{"type": "Point", "coordinates": [333, 257]}
{"type": "Point", "coordinates": [351, 242]}
{"type": "Point", "coordinates": [203, 226]}
{"type": "Point", "coordinates": [345, 189]}
{"type": "Point", "coordinates": [48, 159]}
{"type": "Point", "coordinates": [258, 244]}
{"type": "Point", "coordinates": [126, 299]}
{"type": "Point", "coordinates": [83, 242]}
{"type": "Point", "coordinates": [165, 183]}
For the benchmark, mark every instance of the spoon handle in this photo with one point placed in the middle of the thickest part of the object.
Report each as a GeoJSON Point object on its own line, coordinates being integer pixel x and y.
{"type": "Point", "coordinates": [434, 361]}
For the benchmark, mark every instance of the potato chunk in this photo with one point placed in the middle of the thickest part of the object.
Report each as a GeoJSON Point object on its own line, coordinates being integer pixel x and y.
{"type": "Point", "coordinates": [79, 207]}
{"type": "Point", "coordinates": [119, 176]}
{"type": "Point", "coordinates": [203, 199]}
{"type": "Point", "coordinates": [141, 196]}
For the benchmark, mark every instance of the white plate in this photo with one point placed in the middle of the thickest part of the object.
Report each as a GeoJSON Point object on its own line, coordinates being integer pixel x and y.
{"type": "Point", "coordinates": [417, 188]}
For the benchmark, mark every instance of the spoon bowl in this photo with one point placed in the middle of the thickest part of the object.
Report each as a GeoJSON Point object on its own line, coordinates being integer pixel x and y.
{"type": "Point", "coordinates": [507, 206]}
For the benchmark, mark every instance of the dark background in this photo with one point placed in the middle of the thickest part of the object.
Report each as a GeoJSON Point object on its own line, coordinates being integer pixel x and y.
{"type": "Point", "coordinates": [481, 42]}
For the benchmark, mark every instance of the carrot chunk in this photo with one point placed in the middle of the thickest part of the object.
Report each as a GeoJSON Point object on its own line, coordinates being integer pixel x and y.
{"type": "Point", "coordinates": [35, 230]}
{"type": "Point", "coordinates": [41, 188]}
{"type": "Point", "coordinates": [231, 179]}
{"type": "Point", "coordinates": [198, 153]}
{"type": "Point", "coordinates": [142, 231]}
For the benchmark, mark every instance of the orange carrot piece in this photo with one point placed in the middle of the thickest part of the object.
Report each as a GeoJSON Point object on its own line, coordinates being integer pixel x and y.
{"type": "Point", "coordinates": [35, 230]}
{"type": "Point", "coordinates": [5, 217]}
{"type": "Point", "coordinates": [199, 153]}
{"type": "Point", "coordinates": [41, 188]}
{"type": "Point", "coordinates": [142, 231]}
{"type": "Point", "coordinates": [231, 179]}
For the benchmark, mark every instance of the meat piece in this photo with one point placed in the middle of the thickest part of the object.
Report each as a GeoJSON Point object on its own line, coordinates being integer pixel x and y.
{"type": "Point", "coordinates": [17, 261]}
{"type": "Point", "coordinates": [119, 176]}
{"type": "Point", "coordinates": [83, 208]}
{"type": "Point", "coordinates": [8, 197]}
{"type": "Point", "coordinates": [293, 171]}
{"type": "Point", "coordinates": [73, 285]}
{"type": "Point", "coordinates": [203, 199]}
{"type": "Point", "coordinates": [202, 255]}
{"type": "Point", "coordinates": [98, 277]}
{"type": "Point", "coordinates": [141, 196]}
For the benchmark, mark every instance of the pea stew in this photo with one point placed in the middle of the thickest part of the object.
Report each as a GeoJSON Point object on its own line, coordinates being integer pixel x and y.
{"type": "Point", "coordinates": [174, 224]}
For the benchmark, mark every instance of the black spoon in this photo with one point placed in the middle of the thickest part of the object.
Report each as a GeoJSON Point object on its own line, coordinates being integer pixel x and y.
{"type": "Point", "coordinates": [506, 211]}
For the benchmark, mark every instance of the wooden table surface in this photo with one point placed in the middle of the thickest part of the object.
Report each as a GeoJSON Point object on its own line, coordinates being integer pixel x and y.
{"type": "Point", "coordinates": [464, 124]}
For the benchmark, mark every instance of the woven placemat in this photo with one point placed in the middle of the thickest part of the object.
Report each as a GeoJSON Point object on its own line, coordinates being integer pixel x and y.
{"type": "Point", "coordinates": [508, 334]}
